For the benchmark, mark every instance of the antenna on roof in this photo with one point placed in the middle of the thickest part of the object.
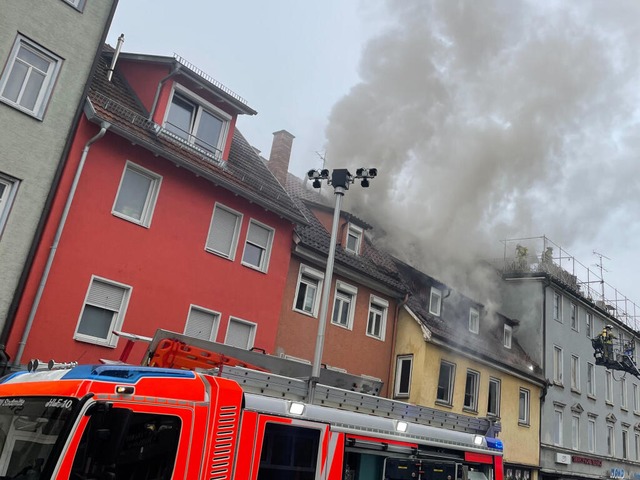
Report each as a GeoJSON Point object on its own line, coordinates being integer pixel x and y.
{"type": "Point", "coordinates": [115, 56]}
{"type": "Point", "coordinates": [602, 270]}
{"type": "Point", "coordinates": [323, 157]}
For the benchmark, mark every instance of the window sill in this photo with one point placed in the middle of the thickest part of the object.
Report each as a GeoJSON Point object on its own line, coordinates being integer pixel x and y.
{"type": "Point", "coordinates": [609, 403]}
{"type": "Point", "coordinates": [253, 267]}
{"type": "Point", "coordinates": [95, 341]}
{"type": "Point", "coordinates": [636, 412]}
{"type": "Point", "coordinates": [124, 217]}
{"type": "Point", "coordinates": [442, 403]}
{"type": "Point", "coordinates": [575, 390]}
{"type": "Point", "coordinates": [558, 384]}
{"type": "Point", "coordinates": [624, 409]}
{"type": "Point", "coordinates": [524, 424]}
{"type": "Point", "coordinates": [21, 109]}
{"type": "Point", "coordinates": [470, 410]}
{"type": "Point", "coordinates": [591, 397]}
{"type": "Point", "coordinates": [373, 337]}
{"type": "Point", "coordinates": [219, 254]}
{"type": "Point", "coordinates": [346, 327]}
{"type": "Point", "coordinates": [306, 314]}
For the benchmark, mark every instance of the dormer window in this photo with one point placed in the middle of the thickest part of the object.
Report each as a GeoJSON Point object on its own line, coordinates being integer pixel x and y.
{"type": "Point", "coordinates": [474, 320]}
{"type": "Point", "coordinates": [435, 301]}
{"type": "Point", "coordinates": [196, 121]}
{"type": "Point", "coordinates": [354, 239]}
{"type": "Point", "coordinates": [508, 333]}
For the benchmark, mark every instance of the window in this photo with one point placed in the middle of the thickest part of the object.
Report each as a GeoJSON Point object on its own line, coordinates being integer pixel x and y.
{"type": "Point", "coordinates": [377, 322]}
{"type": "Point", "coordinates": [636, 398]}
{"type": "Point", "coordinates": [289, 451]}
{"type": "Point", "coordinates": [557, 365]}
{"type": "Point", "coordinates": [591, 379]}
{"type": "Point", "coordinates": [557, 307]}
{"type": "Point", "coordinates": [354, 239]}
{"type": "Point", "coordinates": [588, 323]}
{"type": "Point", "coordinates": [471, 390]}
{"type": "Point", "coordinates": [344, 305]}
{"type": "Point", "coordinates": [103, 312]}
{"type": "Point", "coordinates": [137, 194]}
{"type": "Point", "coordinates": [474, 320]}
{"type": "Point", "coordinates": [575, 432]}
{"type": "Point", "coordinates": [493, 404]}
{"type": "Point", "coordinates": [257, 248]}
{"type": "Point", "coordinates": [223, 232]}
{"type": "Point", "coordinates": [197, 122]}
{"type": "Point", "coordinates": [625, 443]}
{"type": "Point", "coordinates": [575, 373]}
{"type": "Point", "coordinates": [558, 426]}
{"type": "Point", "coordinates": [623, 392]}
{"type": "Point", "coordinates": [435, 302]}
{"type": "Point", "coordinates": [240, 333]}
{"type": "Point", "coordinates": [523, 406]}
{"type": "Point", "coordinates": [28, 78]}
{"type": "Point", "coordinates": [402, 385]}
{"type": "Point", "coordinates": [609, 386]}
{"type": "Point", "coordinates": [8, 189]}
{"type": "Point", "coordinates": [202, 323]}
{"type": "Point", "coordinates": [611, 446]}
{"type": "Point", "coordinates": [591, 434]}
{"type": "Point", "coordinates": [308, 291]}
{"type": "Point", "coordinates": [574, 316]}
{"type": "Point", "coordinates": [445, 382]}
{"type": "Point", "coordinates": [637, 446]}
{"type": "Point", "coordinates": [507, 335]}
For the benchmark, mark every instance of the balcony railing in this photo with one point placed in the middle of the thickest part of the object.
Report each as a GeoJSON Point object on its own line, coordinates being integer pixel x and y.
{"type": "Point", "coordinates": [539, 255]}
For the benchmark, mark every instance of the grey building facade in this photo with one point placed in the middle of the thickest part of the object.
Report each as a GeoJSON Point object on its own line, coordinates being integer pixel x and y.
{"type": "Point", "coordinates": [47, 52]}
{"type": "Point", "coordinates": [590, 415]}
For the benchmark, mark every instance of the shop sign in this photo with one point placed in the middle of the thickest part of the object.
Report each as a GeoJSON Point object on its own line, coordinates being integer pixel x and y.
{"type": "Point", "coordinates": [616, 473]}
{"type": "Point", "coordinates": [588, 461]}
{"type": "Point", "coordinates": [563, 458]}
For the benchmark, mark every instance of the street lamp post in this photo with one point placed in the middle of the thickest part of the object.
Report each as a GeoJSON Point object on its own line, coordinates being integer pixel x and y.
{"type": "Point", "coordinates": [340, 180]}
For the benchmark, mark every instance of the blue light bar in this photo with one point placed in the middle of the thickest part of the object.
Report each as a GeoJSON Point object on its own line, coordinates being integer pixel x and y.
{"type": "Point", "coordinates": [495, 443]}
{"type": "Point", "coordinates": [123, 373]}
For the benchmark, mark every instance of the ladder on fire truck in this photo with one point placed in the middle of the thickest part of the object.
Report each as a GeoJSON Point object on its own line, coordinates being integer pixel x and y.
{"type": "Point", "coordinates": [257, 372]}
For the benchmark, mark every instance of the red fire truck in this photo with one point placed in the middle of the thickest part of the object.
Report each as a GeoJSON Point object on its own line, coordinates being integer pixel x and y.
{"type": "Point", "coordinates": [126, 422]}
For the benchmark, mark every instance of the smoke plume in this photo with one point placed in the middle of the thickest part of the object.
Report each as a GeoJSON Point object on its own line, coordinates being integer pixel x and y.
{"type": "Point", "coordinates": [494, 119]}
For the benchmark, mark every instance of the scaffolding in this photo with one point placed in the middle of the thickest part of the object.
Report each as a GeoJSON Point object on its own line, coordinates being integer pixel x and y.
{"type": "Point", "coordinates": [539, 255]}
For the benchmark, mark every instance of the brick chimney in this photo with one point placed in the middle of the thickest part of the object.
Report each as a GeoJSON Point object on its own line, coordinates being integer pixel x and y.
{"type": "Point", "coordinates": [280, 155]}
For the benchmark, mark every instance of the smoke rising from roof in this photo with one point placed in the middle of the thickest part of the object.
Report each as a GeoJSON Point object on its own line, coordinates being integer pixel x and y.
{"type": "Point", "coordinates": [494, 119]}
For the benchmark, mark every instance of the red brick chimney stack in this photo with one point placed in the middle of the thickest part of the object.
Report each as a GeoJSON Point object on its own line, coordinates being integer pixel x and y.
{"type": "Point", "coordinates": [280, 155]}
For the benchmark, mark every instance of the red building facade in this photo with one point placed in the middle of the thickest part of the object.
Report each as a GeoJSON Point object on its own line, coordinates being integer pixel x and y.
{"type": "Point", "coordinates": [174, 223]}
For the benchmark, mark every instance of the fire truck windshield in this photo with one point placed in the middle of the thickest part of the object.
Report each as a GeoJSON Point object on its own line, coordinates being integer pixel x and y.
{"type": "Point", "coordinates": [29, 430]}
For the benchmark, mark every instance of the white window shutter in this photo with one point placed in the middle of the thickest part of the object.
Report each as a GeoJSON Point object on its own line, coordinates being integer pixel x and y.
{"type": "Point", "coordinates": [222, 232]}
{"type": "Point", "coordinates": [200, 324]}
{"type": "Point", "coordinates": [106, 296]}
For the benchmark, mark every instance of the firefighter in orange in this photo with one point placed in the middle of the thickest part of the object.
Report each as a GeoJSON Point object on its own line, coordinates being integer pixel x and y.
{"type": "Point", "coordinates": [607, 337]}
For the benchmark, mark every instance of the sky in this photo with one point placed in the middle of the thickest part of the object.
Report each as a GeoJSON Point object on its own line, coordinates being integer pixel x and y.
{"type": "Point", "coordinates": [487, 119]}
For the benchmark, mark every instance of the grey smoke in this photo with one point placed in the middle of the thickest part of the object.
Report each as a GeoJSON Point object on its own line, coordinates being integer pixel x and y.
{"type": "Point", "coordinates": [494, 119]}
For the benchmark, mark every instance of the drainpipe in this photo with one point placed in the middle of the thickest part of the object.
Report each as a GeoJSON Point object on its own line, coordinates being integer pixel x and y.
{"type": "Point", "coordinates": [174, 71]}
{"type": "Point", "coordinates": [43, 281]}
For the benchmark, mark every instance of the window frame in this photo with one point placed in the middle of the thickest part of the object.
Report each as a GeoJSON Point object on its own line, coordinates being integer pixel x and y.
{"type": "Point", "coordinates": [448, 392]}
{"type": "Point", "coordinates": [340, 292]}
{"type": "Point", "coordinates": [624, 396]}
{"type": "Point", "coordinates": [200, 104]}
{"type": "Point", "coordinates": [558, 427]}
{"type": "Point", "coordinates": [357, 233]}
{"type": "Point", "coordinates": [76, 4]}
{"type": "Point", "coordinates": [588, 323]}
{"type": "Point", "coordinates": [252, 334]}
{"type": "Point", "coordinates": [437, 294]}
{"type": "Point", "coordinates": [149, 202]}
{"type": "Point", "coordinates": [636, 398]}
{"type": "Point", "coordinates": [573, 317]}
{"type": "Point", "coordinates": [608, 396]}
{"type": "Point", "coordinates": [575, 373]}
{"type": "Point", "coordinates": [117, 320]}
{"type": "Point", "coordinates": [473, 395]}
{"type": "Point", "coordinates": [498, 387]}
{"type": "Point", "coordinates": [383, 304]}
{"type": "Point", "coordinates": [591, 380]}
{"type": "Point", "coordinates": [398, 379]}
{"type": "Point", "coordinates": [557, 365]}
{"type": "Point", "coordinates": [7, 198]}
{"type": "Point", "coordinates": [524, 409]}
{"type": "Point", "coordinates": [236, 232]}
{"type": "Point", "coordinates": [474, 320]}
{"type": "Point", "coordinates": [215, 324]}
{"type": "Point", "coordinates": [557, 307]}
{"type": "Point", "coordinates": [625, 444]}
{"type": "Point", "coordinates": [50, 77]}
{"type": "Point", "coordinates": [611, 440]}
{"type": "Point", "coordinates": [266, 250]}
{"type": "Point", "coordinates": [591, 435]}
{"type": "Point", "coordinates": [507, 336]}
{"type": "Point", "coordinates": [575, 431]}
{"type": "Point", "coordinates": [318, 277]}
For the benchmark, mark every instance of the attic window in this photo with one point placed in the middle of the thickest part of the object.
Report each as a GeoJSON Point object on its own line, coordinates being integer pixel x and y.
{"type": "Point", "coordinates": [508, 333]}
{"type": "Point", "coordinates": [474, 320]}
{"type": "Point", "coordinates": [435, 301]}
{"type": "Point", "coordinates": [194, 120]}
{"type": "Point", "coordinates": [354, 239]}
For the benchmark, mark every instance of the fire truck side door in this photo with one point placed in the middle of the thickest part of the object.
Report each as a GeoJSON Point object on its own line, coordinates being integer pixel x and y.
{"type": "Point", "coordinates": [288, 449]}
